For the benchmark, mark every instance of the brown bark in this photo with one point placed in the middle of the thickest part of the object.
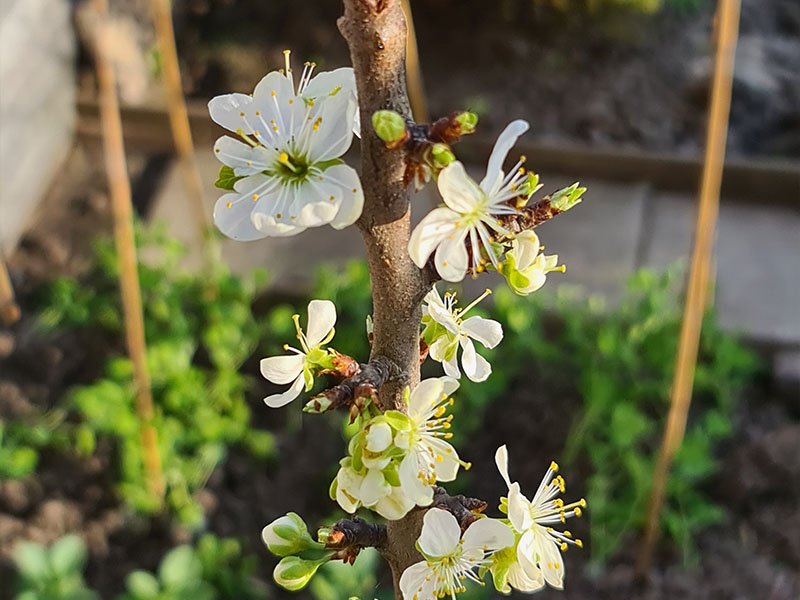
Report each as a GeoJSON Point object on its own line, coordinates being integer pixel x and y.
{"type": "Point", "coordinates": [375, 31]}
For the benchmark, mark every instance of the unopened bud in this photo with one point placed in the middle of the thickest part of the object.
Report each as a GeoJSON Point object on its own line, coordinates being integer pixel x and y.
{"type": "Point", "coordinates": [379, 437]}
{"type": "Point", "coordinates": [567, 198]}
{"type": "Point", "coordinates": [293, 573]}
{"type": "Point", "coordinates": [319, 404]}
{"type": "Point", "coordinates": [389, 126]}
{"type": "Point", "coordinates": [467, 121]}
{"type": "Point", "coordinates": [441, 155]}
{"type": "Point", "coordinates": [323, 535]}
{"type": "Point", "coordinates": [288, 535]}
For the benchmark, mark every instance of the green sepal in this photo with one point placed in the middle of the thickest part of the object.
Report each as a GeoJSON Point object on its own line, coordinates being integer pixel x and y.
{"type": "Point", "coordinates": [226, 179]}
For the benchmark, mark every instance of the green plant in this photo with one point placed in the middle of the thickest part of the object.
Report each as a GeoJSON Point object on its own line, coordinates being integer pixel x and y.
{"type": "Point", "coordinates": [22, 438]}
{"type": "Point", "coordinates": [200, 329]}
{"type": "Point", "coordinates": [336, 580]}
{"type": "Point", "coordinates": [213, 570]}
{"type": "Point", "coordinates": [54, 573]}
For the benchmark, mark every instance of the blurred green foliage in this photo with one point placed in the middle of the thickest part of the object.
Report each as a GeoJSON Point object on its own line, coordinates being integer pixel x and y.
{"type": "Point", "coordinates": [214, 569]}
{"type": "Point", "coordinates": [54, 573]}
{"type": "Point", "coordinates": [200, 329]}
{"type": "Point", "coordinates": [21, 439]}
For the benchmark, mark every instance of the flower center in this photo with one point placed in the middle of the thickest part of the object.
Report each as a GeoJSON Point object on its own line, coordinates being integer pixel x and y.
{"type": "Point", "coordinates": [292, 168]}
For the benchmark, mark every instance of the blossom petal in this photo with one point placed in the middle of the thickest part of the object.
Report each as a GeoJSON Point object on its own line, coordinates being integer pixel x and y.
{"type": "Point", "coordinates": [425, 396]}
{"type": "Point", "coordinates": [476, 368]}
{"type": "Point", "coordinates": [348, 489]}
{"type": "Point", "coordinates": [374, 487]}
{"type": "Point", "coordinates": [394, 506]}
{"type": "Point", "coordinates": [446, 457]}
{"type": "Point", "coordinates": [436, 227]}
{"type": "Point", "coordinates": [451, 257]}
{"type": "Point", "coordinates": [501, 460]}
{"type": "Point", "coordinates": [325, 82]}
{"type": "Point", "coordinates": [449, 385]}
{"type": "Point", "coordinates": [441, 347]}
{"type": "Point", "coordinates": [417, 581]}
{"type": "Point", "coordinates": [487, 331]}
{"type": "Point", "coordinates": [526, 553]}
{"type": "Point", "coordinates": [444, 317]}
{"type": "Point", "coordinates": [233, 218]}
{"type": "Point", "coordinates": [282, 369]}
{"type": "Point", "coordinates": [268, 217]}
{"type": "Point", "coordinates": [440, 533]}
{"type": "Point", "coordinates": [520, 578]}
{"type": "Point", "coordinates": [503, 145]}
{"type": "Point", "coordinates": [550, 561]}
{"type": "Point", "coordinates": [275, 101]}
{"type": "Point", "coordinates": [278, 400]}
{"type": "Point", "coordinates": [243, 158]}
{"type": "Point", "coordinates": [526, 247]}
{"type": "Point", "coordinates": [227, 111]}
{"type": "Point", "coordinates": [321, 319]}
{"type": "Point", "coordinates": [451, 367]}
{"type": "Point", "coordinates": [459, 191]}
{"type": "Point", "coordinates": [411, 479]}
{"type": "Point", "coordinates": [519, 508]}
{"type": "Point", "coordinates": [331, 133]}
{"type": "Point", "coordinates": [344, 180]}
{"type": "Point", "coordinates": [488, 534]}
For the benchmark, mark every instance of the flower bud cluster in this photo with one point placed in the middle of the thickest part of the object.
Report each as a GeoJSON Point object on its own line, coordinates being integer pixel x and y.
{"type": "Point", "coordinates": [301, 556]}
{"type": "Point", "coordinates": [395, 459]}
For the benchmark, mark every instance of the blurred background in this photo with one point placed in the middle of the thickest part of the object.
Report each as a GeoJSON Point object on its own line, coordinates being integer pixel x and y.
{"type": "Point", "coordinates": [616, 92]}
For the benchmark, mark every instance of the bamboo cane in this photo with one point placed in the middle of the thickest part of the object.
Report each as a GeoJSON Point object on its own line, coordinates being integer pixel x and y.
{"type": "Point", "coordinates": [9, 310]}
{"type": "Point", "coordinates": [119, 186]}
{"type": "Point", "coordinates": [696, 296]}
{"type": "Point", "coordinates": [179, 117]}
{"type": "Point", "coordinates": [416, 88]}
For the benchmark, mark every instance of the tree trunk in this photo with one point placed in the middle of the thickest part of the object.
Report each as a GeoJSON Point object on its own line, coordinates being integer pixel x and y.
{"type": "Point", "coordinates": [375, 31]}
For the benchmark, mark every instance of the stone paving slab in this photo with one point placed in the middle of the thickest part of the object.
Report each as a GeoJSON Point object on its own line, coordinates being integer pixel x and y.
{"type": "Point", "coordinates": [619, 228]}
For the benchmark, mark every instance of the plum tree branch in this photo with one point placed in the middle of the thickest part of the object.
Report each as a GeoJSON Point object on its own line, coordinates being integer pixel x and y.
{"type": "Point", "coordinates": [375, 31]}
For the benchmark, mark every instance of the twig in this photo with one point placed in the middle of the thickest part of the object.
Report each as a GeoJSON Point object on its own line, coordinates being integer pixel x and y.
{"type": "Point", "coordinates": [464, 509]}
{"type": "Point", "coordinates": [349, 536]}
{"type": "Point", "coordinates": [119, 185]}
{"type": "Point", "coordinates": [728, 24]}
{"type": "Point", "coordinates": [179, 119]}
{"type": "Point", "coordinates": [9, 310]}
{"type": "Point", "coordinates": [365, 382]}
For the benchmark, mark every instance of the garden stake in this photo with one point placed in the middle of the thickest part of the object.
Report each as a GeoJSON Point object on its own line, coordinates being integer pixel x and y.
{"type": "Point", "coordinates": [696, 295]}
{"type": "Point", "coordinates": [119, 186]}
{"type": "Point", "coordinates": [416, 89]}
{"type": "Point", "coordinates": [179, 119]}
{"type": "Point", "coordinates": [9, 310]}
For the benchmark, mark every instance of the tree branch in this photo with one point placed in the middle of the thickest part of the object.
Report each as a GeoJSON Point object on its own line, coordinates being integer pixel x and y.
{"type": "Point", "coordinates": [376, 34]}
{"type": "Point", "coordinates": [365, 382]}
{"type": "Point", "coordinates": [349, 536]}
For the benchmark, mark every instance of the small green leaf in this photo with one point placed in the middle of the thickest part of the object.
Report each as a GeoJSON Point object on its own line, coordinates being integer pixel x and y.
{"type": "Point", "coordinates": [227, 178]}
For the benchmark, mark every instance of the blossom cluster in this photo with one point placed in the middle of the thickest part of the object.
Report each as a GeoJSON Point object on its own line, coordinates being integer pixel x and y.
{"type": "Point", "coordinates": [283, 173]}
{"type": "Point", "coordinates": [396, 458]}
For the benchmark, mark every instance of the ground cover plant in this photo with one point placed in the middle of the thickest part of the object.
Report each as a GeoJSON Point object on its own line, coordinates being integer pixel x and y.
{"type": "Point", "coordinates": [200, 330]}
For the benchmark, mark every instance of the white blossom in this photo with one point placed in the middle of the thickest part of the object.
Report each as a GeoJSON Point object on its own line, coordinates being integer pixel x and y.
{"type": "Point", "coordinates": [470, 212]}
{"type": "Point", "coordinates": [457, 332]}
{"type": "Point", "coordinates": [290, 140]}
{"type": "Point", "coordinates": [430, 457]}
{"type": "Point", "coordinates": [451, 558]}
{"type": "Point", "coordinates": [525, 267]}
{"type": "Point", "coordinates": [298, 367]}
{"type": "Point", "coordinates": [539, 548]}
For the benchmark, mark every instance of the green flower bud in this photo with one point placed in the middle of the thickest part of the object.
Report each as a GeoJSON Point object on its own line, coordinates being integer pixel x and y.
{"type": "Point", "coordinates": [389, 126]}
{"type": "Point", "coordinates": [567, 198]}
{"type": "Point", "coordinates": [288, 535]}
{"type": "Point", "coordinates": [441, 155]}
{"type": "Point", "coordinates": [293, 573]}
{"type": "Point", "coordinates": [468, 121]}
{"type": "Point", "coordinates": [319, 404]}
